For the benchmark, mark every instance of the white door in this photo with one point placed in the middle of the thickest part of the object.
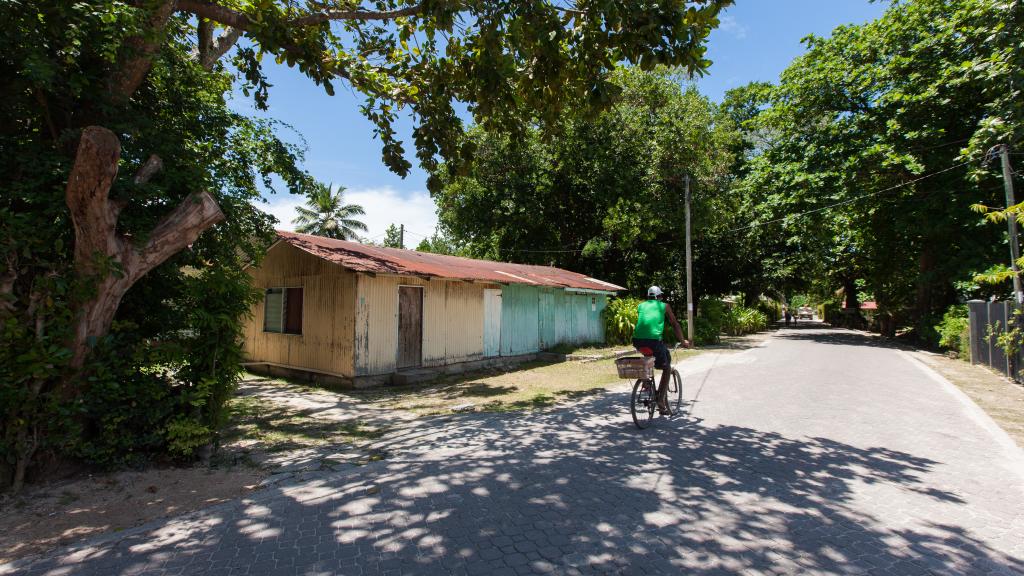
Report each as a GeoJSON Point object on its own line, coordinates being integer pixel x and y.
{"type": "Point", "coordinates": [492, 322]}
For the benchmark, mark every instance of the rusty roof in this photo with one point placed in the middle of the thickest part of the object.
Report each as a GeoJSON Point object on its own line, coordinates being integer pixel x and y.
{"type": "Point", "coordinates": [378, 260]}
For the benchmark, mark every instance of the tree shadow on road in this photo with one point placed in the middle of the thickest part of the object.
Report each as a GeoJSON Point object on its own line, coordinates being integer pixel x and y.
{"type": "Point", "coordinates": [824, 334]}
{"type": "Point", "coordinates": [580, 490]}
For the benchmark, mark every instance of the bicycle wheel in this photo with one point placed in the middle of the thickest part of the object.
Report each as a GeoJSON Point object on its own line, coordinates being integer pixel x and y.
{"type": "Point", "coordinates": [675, 392]}
{"type": "Point", "coordinates": [642, 403]}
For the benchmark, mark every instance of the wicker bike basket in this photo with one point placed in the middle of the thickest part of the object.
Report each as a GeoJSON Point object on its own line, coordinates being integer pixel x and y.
{"type": "Point", "coordinates": [633, 367]}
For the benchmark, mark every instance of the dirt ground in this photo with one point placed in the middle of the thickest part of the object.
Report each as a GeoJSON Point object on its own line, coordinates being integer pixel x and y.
{"type": "Point", "coordinates": [52, 515]}
{"type": "Point", "coordinates": [1002, 399]}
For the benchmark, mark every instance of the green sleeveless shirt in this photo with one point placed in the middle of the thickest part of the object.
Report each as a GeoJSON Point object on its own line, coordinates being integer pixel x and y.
{"type": "Point", "coordinates": [650, 323]}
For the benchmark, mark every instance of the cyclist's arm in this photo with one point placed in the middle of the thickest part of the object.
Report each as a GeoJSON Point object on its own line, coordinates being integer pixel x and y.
{"type": "Point", "coordinates": [675, 325]}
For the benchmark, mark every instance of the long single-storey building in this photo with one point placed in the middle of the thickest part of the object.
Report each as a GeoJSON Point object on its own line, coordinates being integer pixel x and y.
{"type": "Point", "coordinates": [355, 312]}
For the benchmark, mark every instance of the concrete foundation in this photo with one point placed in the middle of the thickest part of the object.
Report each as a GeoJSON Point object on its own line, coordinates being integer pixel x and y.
{"type": "Point", "coordinates": [406, 377]}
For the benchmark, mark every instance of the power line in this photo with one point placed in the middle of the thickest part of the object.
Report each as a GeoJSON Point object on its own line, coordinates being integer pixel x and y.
{"type": "Point", "coordinates": [848, 201]}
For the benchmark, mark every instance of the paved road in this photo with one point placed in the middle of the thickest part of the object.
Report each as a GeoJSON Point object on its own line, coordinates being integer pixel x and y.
{"type": "Point", "coordinates": [817, 453]}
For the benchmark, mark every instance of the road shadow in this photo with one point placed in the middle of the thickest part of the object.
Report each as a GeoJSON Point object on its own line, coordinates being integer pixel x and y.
{"type": "Point", "coordinates": [573, 491]}
{"type": "Point", "coordinates": [825, 334]}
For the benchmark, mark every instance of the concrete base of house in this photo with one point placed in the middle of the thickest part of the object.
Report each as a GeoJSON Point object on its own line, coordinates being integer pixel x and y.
{"type": "Point", "coordinates": [418, 375]}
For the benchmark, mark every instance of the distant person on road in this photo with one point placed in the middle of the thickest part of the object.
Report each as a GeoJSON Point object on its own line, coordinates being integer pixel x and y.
{"type": "Point", "coordinates": [650, 327]}
{"type": "Point", "coordinates": [787, 315]}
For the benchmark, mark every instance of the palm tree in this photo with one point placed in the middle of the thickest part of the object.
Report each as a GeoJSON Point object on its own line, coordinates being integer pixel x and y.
{"type": "Point", "coordinates": [326, 214]}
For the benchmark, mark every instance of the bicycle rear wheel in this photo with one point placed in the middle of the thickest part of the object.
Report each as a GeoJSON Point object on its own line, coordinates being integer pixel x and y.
{"type": "Point", "coordinates": [642, 403]}
{"type": "Point", "coordinates": [675, 392]}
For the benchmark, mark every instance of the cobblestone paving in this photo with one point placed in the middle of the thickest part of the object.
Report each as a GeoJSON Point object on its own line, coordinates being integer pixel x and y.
{"type": "Point", "coordinates": [818, 453]}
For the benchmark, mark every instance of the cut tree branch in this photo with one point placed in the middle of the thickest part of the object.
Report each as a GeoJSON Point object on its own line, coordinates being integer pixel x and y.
{"type": "Point", "coordinates": [175, 232]}
{"type": "Point", "coordinates": [224, 43]}
{"type": "Point", "coordinates": [149, 168]}
{"type": "Point", "coordinates": [137, 58]}
{"type": "Point", "coordinates": [204, 30]}
{"type": "Point", "coordinates": [99, 248]}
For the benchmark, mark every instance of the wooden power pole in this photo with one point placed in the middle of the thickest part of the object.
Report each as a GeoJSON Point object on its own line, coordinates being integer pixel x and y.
{"type": "Point", "coordinates": [1011, 222]}
{"type": "Point", "coordinates": [689, 268]}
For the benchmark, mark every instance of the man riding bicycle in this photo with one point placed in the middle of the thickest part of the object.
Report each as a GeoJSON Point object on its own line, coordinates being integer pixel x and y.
{"type": "Point", "coordinates": [650, 326]}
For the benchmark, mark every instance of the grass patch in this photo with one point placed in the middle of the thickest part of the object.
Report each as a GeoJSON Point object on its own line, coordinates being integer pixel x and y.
{"type": "Point", "coordinates": [276, 427]}
{"type": "Point", "coordinates": [588, 349]}
{"type": "Point", "coordinates": [534, 385]}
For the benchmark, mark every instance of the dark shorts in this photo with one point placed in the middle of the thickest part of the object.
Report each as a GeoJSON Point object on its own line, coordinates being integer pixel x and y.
{"type": "Point", "coordinates": [662, 358]}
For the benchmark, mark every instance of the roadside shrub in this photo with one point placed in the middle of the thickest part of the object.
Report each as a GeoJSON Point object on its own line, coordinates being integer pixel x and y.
{"type": "Point", "coordinates": [770, 308]}
{"type": "Point", "coordinates": [711, 313]}
{"type": "Point", "coordinates": [620, 317]}
{"type": "Point", "coordinates": [954, 331]}
{"type": "Point", "coordinates": [185, 437]}
{"type": "Point", "coordinates": [740, 320]}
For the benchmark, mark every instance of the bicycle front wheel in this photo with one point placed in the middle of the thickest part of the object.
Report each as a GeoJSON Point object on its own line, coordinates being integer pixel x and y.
{"type": "Point", "coordinates": [642, 403]}
{"type": "Point", "coordinates": [675, 392]}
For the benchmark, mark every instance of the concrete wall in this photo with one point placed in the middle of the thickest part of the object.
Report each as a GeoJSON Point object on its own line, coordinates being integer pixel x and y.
{"type": "Point", "coordinates": [328, 315]}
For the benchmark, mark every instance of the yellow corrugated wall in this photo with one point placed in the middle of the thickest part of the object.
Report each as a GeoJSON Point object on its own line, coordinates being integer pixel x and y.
{"type": "Point", "coordinates": [452, 322]}
{"type": "Point", "coordinates": [328, 315]}
{"type": "Point", "coordinates": [464, 320]}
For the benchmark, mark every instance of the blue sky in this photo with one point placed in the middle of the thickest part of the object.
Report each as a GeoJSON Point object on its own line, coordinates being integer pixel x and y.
{"type": "Point", "coordinates": [756, 41]}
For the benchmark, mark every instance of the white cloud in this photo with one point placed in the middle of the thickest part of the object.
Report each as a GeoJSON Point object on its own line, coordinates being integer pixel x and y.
{"type": "Point", "coordinates": [732, 26]}
{"type": "Point", "coordinates": [383, 206]}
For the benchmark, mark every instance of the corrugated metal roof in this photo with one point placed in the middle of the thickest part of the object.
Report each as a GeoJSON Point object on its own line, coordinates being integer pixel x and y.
{"type": "Point", "coordinates": [363, 258]}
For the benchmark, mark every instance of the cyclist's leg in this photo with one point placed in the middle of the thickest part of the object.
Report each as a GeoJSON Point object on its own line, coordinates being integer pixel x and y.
{"type": "Point", "coordinates": [664, 361]}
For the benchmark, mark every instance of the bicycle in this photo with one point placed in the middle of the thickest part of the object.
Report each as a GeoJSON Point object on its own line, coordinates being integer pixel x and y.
{"type": "Point", "coordinates": [643, 401]}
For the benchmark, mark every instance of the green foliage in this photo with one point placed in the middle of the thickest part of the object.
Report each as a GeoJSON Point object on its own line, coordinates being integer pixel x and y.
{"type": "Point", "coordinates": [1009, 340]}
{"type": "Point", "coordinates": [606, 197]}
{"type": "Point", "coordinates": [799, 301]}
{"type": "Point", "coordinates": [740, 320]}
{"type": "Point", "coordinates": [716, 318]}
{"type": "Point", "coordinates": [440, 243]}
{"type": "Point", "coordinates": [393, 237]}
{"type": "Point", "coordinates": [851, 175]}
{"type": "Point", "coordinates": [954, 331]}
{"type": "Point", "coordinates": [176, 322]}
{"type": "Point", "coordinates": [503, 60]}
{"type": "Point", "coordinates": [326, 214]}
{"type": "Point", "coordinates": [185, 436]}
{"type": "Point", "coordinates": [620, 318]}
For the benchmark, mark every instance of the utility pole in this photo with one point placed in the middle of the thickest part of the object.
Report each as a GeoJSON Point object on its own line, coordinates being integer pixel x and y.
{"type": "Point", "coordinates": [689, 268]}
{"type": "Point", "coordinates": [401, 235]}
{"type": "Point", "coordinates": [1011, 221]}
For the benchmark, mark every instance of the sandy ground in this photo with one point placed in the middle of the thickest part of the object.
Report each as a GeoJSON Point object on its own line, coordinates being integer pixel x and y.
{"type": "Point", "coordinates": [44, 517]}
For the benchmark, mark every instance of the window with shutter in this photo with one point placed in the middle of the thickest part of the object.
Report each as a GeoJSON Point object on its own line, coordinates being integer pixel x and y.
{"type": "Point", "coordinates": [273, 310]}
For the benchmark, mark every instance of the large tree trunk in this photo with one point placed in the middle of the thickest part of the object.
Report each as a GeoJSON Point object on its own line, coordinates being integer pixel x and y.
{"type": "Point", "coordinates": [925, 266]}
{"type": "Point", "coordinates": [99, 248]}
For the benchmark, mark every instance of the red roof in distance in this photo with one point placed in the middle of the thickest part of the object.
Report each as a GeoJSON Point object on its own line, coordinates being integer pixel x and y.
{"type": "Point", "coordinates": [378, 260]}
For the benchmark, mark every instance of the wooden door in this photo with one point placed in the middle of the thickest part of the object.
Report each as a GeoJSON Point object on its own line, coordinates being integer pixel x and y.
{"type": "Point", "coordinates": [492, 322]}
{"type": "Point", "coordinates": [410, 326]}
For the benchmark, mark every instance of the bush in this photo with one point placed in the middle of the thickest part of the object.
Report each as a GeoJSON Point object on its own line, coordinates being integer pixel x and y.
{"type": "Point", "coordinates": [717, 318]}
{"type": "Point", "coordinates": [954, 331]}
{"type": "Point", "coordinates": [741, 320]}
{"type": "Point", "coordinates": [620, 318]}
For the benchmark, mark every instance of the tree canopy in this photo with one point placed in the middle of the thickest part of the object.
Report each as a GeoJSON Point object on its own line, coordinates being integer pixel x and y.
{"type": "Point", "coordinates": [868, 154]}
{"type": "Point", "coordinates": [605, 196]}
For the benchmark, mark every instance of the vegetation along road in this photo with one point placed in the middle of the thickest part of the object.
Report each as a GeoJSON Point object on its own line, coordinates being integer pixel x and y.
{"type": "Point", "coordinates": [817, 450]}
